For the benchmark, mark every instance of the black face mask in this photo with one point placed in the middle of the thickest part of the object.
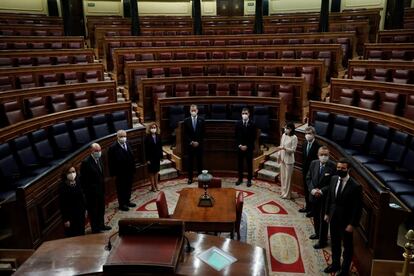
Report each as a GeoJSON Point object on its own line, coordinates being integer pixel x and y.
{"type": "Point", "coordinates": [341, 173]}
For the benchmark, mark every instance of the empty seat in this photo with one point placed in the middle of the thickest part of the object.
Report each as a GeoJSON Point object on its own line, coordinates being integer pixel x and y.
{"type": "Point", "coordinates": [287, 93]}
{"type": "Point", "coordinates": [6, 62]}
{"type": "Point", "coordinates": [213, 70]}
{"type": "Point", "coordinates": [62, 60]}
{"type": "Point", "coordinates": [264, 90]}
{"type": "Point", "coordinates": [80, 59]}
{"type": "Point", "coordinates": [306, 54]}
{"type": "Point", "coordinates": [36, 107]}
{"type": "Point", "coordinates": [158, 72]}
{"type": "Point", "coordinates": [218, 111]}
{"type": "Point", "coordinates": [50, 79]}
{"type": "Point", "coordinates": [347, 96]}
{"type": "Point", "coordinates": [175, 72]}
{"type": "Point", "coordinates": [91, 76]}
{"type": "Point", "coordinates": [269, 55]}
{"type": "Point", "coordinates": [70, 77]}
{"type": "Point", "coordinates": [42, 146]}
{"type": "Point", "coordinates": [398, 55]}
{"type": "Point", "coordinates": [101, 96]}
{"type": "Point", "coordinates": [235, 111]}
{"type": "Point", "coordinates": [322, 123]}
{"type": "Point", "coordinates": [217, 55]}
{"type": "Point", "coordinates": [81, 99]}
{"type": "Point", "coordinates": [58, 103]}
{"type": "Point", "coordinates": [409, 107]}
{"type": "Point", "coordinates": [100, 126]}
{"type": "Point", "coordinates": [375, 55]}
{"type": "Point", "coordinates": [252, 55]}
{"type": "Point", "coordinates": [182, 90]}
{"type": "Point", "coordinates": [80, 132]}
{"type": "Point", "coordinates": [11, 176]}
{"type": "Point", "coordinates": [358, 136]}
{"type": "Point", "coordinates": [202, 55]}
{"type": "Point", "coordinates": [201, 89]}
{"type": "Point", "coordinates": [6, 83]}
{"type": "Point", "coordinates": [359, 73]}
{"type": "Point", "coordinates": [232, 70]}
{"type": "Point", "coordinates": [288, 54]}
{"type": "Point", "coordinates": [61, 139]}
{"type": "Point", "coordinates": [262, 120]}
{"type": "Point", "coordinates": [289, 71]}
{"type": "Point", "coordinates": [244, 89]}
{"type": "Point", "coordinates": [181, 56]}
{"type": "Point", "coordinates": [376, 146]}
{"type": "Point", "coordinates": [27, 158]}
{"type": "Point", "coordinates": [13, 112]}
{"type": "Point", "coordinates": [234, 55]}
{"type": "Point", "coordinates": [120, 120]}
{"type": "Point", "coordinates": [222, 89]}
{"type": "Point", "coordinates": [165, 56]}
{"type": "Point", "coordinates": [401, 76]}
{"type": "Point", "coordinates": [380, 75]}
{"type": "Point", "coordinates": [24, 61]}
{"type": "Point", "coordinates": [368, 99]}
{"type": "Point", "coordinates": [196, 71]}
{"type": "Point", "coordinates": [147, 56]}
{"type": "Point", "coordinates": [389, 103]}
{"type": "Point", "coordinates": [340, 129]}
{"type": "Point", "coordinates": [43, 61]}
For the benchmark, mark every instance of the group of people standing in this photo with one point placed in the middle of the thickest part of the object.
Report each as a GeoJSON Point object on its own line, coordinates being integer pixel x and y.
{"type": "Point", "coordinates": [333, 199]}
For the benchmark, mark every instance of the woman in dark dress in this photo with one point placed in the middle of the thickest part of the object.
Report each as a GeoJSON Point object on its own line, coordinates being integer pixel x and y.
{"type": "Point", "coordinates": [153, 153]}
{"type": "Point", "coordinates": [72, 204]}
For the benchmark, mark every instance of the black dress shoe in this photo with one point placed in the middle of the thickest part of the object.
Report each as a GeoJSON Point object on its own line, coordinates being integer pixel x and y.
{"type": "Point", "coordinates": [249, 183]}
{"type": "Point", "coordinates": [319, 245]}
{"type": "Point", "coordinates": [238, 182]}
{"type": "Point", "coordinates": [106, 228]}
{"type": "Point", "coordinates": [189, 181]}
{"type": "Point", "coordinates": [331, 268]}
{"type": "Point", "coordinates": [303, 210]}
{"type": "Point", "coordinates": [342, 273]}
{"type": "Point", "coordinates": [131, 204]}
{"type": "Point", "coordinates": [309, 214]}
{"type": "Point", "coordinates": [313, 237]}
{"type": "Point", "coordinates": [123, 208]}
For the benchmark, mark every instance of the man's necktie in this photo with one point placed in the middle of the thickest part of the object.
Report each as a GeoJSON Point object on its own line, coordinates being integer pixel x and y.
{"type": "Point", "coordinates": [98, 162]}
{"type": "Point", "coordinates": [308, 148]}
{"type": "Point", "coordinates": [194, 123]}
{"type": "Point", "coordinates": [339, 191]}
{"type": "Point", "coordinates": [125, 147]}
{"type": "Point", "coordinates": [321, 167]}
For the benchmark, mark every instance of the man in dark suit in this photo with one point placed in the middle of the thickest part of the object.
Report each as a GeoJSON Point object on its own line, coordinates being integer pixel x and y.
{"type": "Point", "coordinates": [92, 182]}
{"type": "Point", "coordinates": [343, 211]}
{"type": "Point", "coordinates": [310, 152]}
{"type": "Point", "coordinates": [122, 166]}
{"type": "Point", "coordinates": [317, 180]}
{"type": "Point", "coordinates": [193, 139]}
{"type": "Point", "coordinates": [245, 139]}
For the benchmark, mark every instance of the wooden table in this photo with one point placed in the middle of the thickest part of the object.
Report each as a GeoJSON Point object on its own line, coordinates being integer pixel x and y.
{"type": "Point", "coordinates": [86, 254]}
{"type": "Point", "coordinates": [219, 218]}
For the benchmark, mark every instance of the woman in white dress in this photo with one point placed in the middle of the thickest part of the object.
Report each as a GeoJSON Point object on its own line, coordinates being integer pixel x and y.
{"type": "Point", "coordinates": [286, 159]}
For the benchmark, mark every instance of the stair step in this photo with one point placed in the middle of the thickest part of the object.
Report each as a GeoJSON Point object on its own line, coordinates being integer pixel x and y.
{"type": "Point", "coordinates": [168, 173]}
{"type": "Point", "coordinates": [271, 166]}
{"type": "Point", "coordinates": [273, 156]}
{"type": "Point", "coordinates": [165, 163]}
{"type": "Point", "coordinates": [107, 78]}
{"type": "Point", "coordinates": [267, 175]}
{"type": "Point", "coordinates": [121, 99]}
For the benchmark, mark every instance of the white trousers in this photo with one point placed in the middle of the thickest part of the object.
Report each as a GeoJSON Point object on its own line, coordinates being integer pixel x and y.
{"type": "Point", "coordinates": [286, 171]}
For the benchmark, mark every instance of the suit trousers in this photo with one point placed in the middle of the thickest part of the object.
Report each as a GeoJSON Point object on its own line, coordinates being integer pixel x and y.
{"type": "Point", "coordinates": [96, 211]}
{"type": "Point", "coordinates": [196, 153]}
{"type": "Point", "coordinates": [123, 188]}
{"type": "Point", "coordinates": [286, 171]}
{"type": "Point", "coordinates": [308, 204]}
{"type": "Point", "coordinates": [248, 156]}
{"type": "Point", "coordinates": [319, 224]}
{"type": "Point", "coordinates": [339, 235]}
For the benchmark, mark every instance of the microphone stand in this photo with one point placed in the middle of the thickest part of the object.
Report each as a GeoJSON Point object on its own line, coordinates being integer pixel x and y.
{"type": "Point", "coordinates": [108, 246]}
{"type": "Point", "coordinates": [188, 247]}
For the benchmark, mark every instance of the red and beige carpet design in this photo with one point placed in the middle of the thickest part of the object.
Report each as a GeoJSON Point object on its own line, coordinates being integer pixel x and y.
{"type": "Point", "coordinates": [268, 221]}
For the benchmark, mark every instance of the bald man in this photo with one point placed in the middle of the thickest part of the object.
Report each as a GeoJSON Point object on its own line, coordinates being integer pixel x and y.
{"type": "Point", "coordinates": [122, 166]}
{"type": "Point", "coordinates": [92, 181]}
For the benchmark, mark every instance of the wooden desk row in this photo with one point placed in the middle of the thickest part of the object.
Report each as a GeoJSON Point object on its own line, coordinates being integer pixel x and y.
{"type": "Point", "coordinates": [396, 36]}
{"type": "Point", "coordinates": [346, 39]}
{"type": "Point", "coordinates": [331, 53]}
{"type": "Point", "coordinates": [41, 42]}
{"type": "Point", "coordinates": [31, 30]}
{"type": "Point", "coordinates": [312, 70]}
{"type": "Point", "coordinates": [296, 88]}
{"type": "Point", "coordinates": [384, 51]}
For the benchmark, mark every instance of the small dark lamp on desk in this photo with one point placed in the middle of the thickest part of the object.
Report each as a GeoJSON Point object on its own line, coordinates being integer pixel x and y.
{"type": "Point", "coordinates": [206, 200]}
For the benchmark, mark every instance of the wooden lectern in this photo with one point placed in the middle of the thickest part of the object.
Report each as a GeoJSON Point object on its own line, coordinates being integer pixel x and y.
{"type": "Point", "coordinates": [146, 246]}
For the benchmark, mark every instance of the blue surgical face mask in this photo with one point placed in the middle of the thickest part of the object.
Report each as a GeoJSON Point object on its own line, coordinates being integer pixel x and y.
{"type": "Point", "coordinates": [97, 154]}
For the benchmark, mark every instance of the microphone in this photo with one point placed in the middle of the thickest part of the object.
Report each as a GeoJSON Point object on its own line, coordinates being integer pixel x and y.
{"type": "Point", "coordinates": [108, 246]}
{"type": "Point", "coordinates": [188, 247]}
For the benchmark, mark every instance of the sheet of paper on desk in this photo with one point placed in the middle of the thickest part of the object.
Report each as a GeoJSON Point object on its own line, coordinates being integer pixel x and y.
{"type": "Point", "coordinates": [216, 258]}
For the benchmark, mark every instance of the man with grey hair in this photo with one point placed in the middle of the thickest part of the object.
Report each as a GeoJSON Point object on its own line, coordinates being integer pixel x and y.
{"type": "Point", "coordinates": [92, 181]}
{"type": "Point", "coordinates": [122, 166]}
{"type": "Point", "coordinates": [309, 153]}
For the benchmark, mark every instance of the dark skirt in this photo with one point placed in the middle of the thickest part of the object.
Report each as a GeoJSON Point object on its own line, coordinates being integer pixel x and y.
{"type": "Point", "coordinates": [154, 167]}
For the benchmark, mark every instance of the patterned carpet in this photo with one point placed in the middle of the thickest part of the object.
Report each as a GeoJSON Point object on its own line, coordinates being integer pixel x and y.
{"type": "Point", "coordinates": [268, 221]}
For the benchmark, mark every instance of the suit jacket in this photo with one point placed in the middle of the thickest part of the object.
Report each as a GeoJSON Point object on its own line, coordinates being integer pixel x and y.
{"type": "Point", "coordinates": [92, 177]}
{"type": "Point", "coordinates": [153, 151]}
{"type": "Point", "coordinates": [290, 143]}
{"type": "Point", "coordinates": [191, 134]}
{"type": "Point", "coordinates": [347, 208]}
{"type": "Point", "coordinates": [314, 180]}
{"type": "Point", "coordinates": [307, 158]}
{"type": "Point", "coordinates": [120, 161]}
{"type": "Point", "coordinates": [246, 135]}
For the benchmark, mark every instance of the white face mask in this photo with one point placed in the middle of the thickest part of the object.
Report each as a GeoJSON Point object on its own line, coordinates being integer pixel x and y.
{"type": "Point", "coordinates": [71, 176]}
{"type": "Point", "coordinates": [122, 140]}
{"type": "Point", "coordinates": [153, 130]}
{"type": "Point", "coordinates": [97, 154]}
{"type": "Point", "coordinates": [309, 137]}
{"type": "Point", "coordinates": [287, 131]}
{"type": "Point", "coordinates": [245, 117]}
{"type": "Point", "coordinates": [193, 113]}
{"type": "Point", "coordinates": [323, 158]}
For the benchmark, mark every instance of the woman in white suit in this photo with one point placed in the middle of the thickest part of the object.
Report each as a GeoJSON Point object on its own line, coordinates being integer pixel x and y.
{"type": "Point", "coordinates": [286, 159]}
